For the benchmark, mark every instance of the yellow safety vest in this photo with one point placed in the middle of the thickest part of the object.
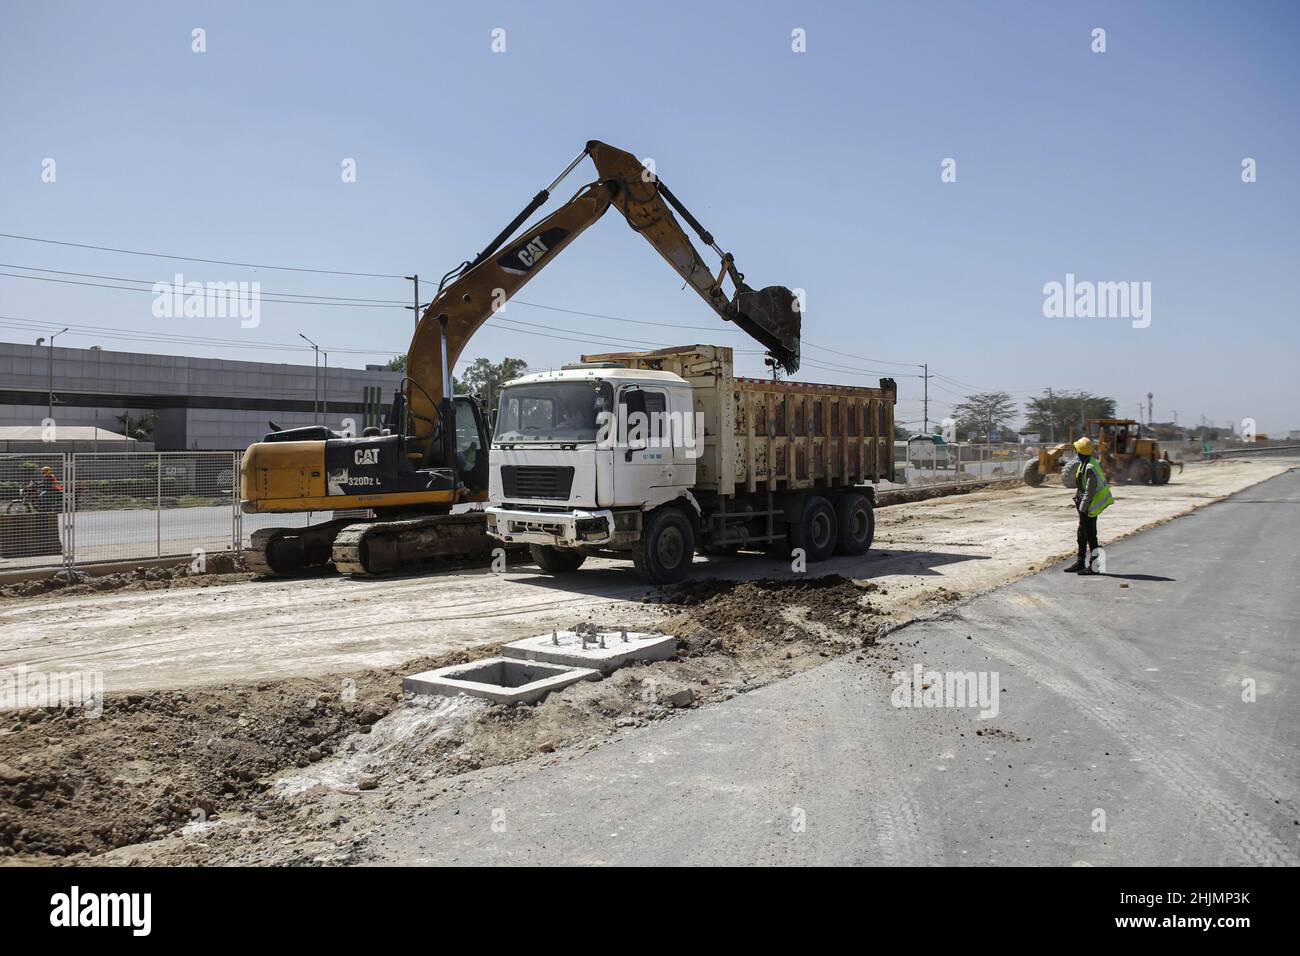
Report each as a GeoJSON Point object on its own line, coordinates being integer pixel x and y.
{"type": "Point", "coordinates": [1103, 499]}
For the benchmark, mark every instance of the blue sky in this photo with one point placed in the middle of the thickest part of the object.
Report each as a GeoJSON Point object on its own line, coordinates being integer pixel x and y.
{"type": "Point", "coordinates": [819, 170]}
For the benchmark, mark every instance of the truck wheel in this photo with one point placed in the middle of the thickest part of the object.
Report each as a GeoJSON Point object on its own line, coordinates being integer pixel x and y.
{"type": "Point", "coordinates": [663, 553]}
{"type": "Point", "coordinates": [1067, 473]}
{"type": "Point", "coordinates": [1031, 475]}
{"type": "Point", "coordinates": [556, 560]}
{"type": "Point", "coordinates": [1139, 472]}
{"type": "Point", "coordinates": [816, 530]}
{"type": "Point", "coordinates": [1164, 471]}
{"type": "Point", "coordinates": [857, 524]}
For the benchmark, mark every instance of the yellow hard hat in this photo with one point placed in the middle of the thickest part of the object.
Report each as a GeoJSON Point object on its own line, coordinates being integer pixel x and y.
{"type": "Point", "coordinates": [1084, 445]}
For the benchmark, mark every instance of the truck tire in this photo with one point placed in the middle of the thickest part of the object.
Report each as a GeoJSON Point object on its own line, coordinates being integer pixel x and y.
{"type": "Point", "coordinates": [816, 531]}
{"type": "Point", "coordinates": [1067, 473]}
{"type": "Point", "coordinates": [556, 560]}
{"type": "Point", "coordinates": [1139, 473]}
{"type": "Point", "coordinates": [666, 548]}
{"type": "Point", "coordinates": [1031, 475]}
{"type": "Point", "coordinates": [1164, 471]}
{"type": "Point", "coordinates": [857, 524]}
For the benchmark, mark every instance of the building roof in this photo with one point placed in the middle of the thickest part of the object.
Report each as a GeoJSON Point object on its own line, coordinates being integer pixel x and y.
{"type": "Point", "coordinates": [61, 433]}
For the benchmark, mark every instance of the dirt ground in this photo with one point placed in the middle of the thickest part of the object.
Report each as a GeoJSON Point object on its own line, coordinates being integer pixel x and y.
{"type": "Point", "coordinates": [262, 722]}
{"type": "Point", "coordinates": [263, 773]}
{"type": "Point", "coordinates": [249, 631]}
{"type": "Point", "coordinates": [216, 569]}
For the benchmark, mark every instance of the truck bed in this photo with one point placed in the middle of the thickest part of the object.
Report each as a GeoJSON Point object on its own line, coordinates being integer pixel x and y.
{"type": "Point", "coordinates": [762, 435]}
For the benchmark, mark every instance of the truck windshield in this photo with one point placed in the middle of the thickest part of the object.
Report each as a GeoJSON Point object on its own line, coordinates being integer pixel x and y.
{"type": "Point", "coordinates": [552, 411]}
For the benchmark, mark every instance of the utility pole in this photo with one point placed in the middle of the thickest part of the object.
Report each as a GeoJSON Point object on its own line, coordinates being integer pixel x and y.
{"type": "Point", "coordinates": [1051, 416]}
{"type": "Point", "coordinates": [415, 303]}
{"type": "Point", "coordinates": [315, 398]}
{"type": "Point", "coordinates": [325, 390]}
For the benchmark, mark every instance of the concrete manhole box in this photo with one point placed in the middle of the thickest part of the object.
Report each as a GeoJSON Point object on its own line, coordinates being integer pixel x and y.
{"type": "Point", "coordinates": [606, 651]}
{"type": "Point", "coordinates": [500, 679]}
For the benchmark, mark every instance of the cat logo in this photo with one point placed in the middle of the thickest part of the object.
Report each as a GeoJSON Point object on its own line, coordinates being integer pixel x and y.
{"type": "Point", "coordinates": [533, 251]}
{"type": "Point", "coordinates": [519, 260]}
{"type": "Point", "coordinates": [366, 456]}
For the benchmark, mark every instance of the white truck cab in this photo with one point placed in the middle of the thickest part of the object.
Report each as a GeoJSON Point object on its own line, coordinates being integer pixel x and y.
{"type": "Point", "coordinates": [579, 454]}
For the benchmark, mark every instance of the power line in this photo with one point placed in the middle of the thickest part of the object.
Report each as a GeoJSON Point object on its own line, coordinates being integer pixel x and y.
{"type": "Point", "coordinates": [345, 301]}
{"type": "Point", "coordinates": [153, 282]}
{"type": "Point", "coordinates": [863, 358]}
{"type": "Point", "coordinates": [219, 262]}
{"type": "Point", "coordinates": [269, 296]}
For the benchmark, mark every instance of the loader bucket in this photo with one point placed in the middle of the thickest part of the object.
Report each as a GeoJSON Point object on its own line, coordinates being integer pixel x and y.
{"type": "Point", "coordinates": [772, 316]}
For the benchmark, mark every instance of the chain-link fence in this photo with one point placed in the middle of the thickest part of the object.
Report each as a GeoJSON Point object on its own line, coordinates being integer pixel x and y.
{"type": "Point", "coordinates": [92, 507]}
{"type": "Point", "coordinates": [924, 463]}
{"type": "Point", "coordinates": [33, 509]}
{"type": "Point", "coordinates": [116, 506]}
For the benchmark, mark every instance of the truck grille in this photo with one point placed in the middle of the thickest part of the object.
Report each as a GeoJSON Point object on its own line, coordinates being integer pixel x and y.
{"type": "Point", "coordinates": [537, 481]}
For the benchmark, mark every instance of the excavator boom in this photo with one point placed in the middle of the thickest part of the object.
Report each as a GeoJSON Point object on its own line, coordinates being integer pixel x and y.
{"type": "Point", "coordinates": [482, 286]}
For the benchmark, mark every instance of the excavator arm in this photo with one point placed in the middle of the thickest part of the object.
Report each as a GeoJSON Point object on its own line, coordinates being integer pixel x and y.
{"type": "Point", "coordinates": [472, 293]}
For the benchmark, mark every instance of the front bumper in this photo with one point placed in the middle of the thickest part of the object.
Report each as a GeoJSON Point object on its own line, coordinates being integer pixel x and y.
{"type": "Point", "coordinates": [563, 529]}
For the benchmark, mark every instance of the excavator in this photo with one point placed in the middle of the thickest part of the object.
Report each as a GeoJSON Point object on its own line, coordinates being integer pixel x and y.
{"type": "Point", "coordinates": [431, 452]}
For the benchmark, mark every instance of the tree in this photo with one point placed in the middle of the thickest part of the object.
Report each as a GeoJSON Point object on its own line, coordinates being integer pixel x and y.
{"type": "Point", "coordinates": [140, 428]}
{"type": "Point", "coordinates": [398, 364]}
{"type": "Point", "coordinates": [983, 413]}
{"type": "Point", "coordinates": [1060, 415]}
{"type": "Point", "coordinates": [483, 378]}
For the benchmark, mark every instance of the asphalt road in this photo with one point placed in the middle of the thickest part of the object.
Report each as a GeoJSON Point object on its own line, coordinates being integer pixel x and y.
{"type": "Point", "coordinates": [1122, 735]}
{"type": "Point", "coordinates": [129, 534]}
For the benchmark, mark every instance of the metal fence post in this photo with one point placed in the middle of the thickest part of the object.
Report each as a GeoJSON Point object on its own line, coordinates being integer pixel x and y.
{"type": "Point", "coordinates": [69, 516]}
{"type": "Point", "coordinates": [236, 521]}
{"type": "Point", "coordinates": [158, 507]}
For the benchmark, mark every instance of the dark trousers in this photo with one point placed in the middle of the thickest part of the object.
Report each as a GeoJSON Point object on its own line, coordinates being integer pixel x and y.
{"type": "Point", "coordinates": [1087, 536]}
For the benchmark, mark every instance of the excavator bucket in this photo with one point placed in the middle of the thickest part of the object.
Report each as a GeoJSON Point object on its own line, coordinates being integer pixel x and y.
{"type": "Point", "coordinates": [772, 315]}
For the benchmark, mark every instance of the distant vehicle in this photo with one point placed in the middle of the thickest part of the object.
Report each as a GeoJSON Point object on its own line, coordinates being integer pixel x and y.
{"type": "Point", "coordinates": [931, 451]}
{"type": "Point", "coordinates": [1126, 456]}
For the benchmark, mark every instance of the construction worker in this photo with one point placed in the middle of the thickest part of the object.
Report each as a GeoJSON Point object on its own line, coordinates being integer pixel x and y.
{"type": "Point", "coordinates": [1091, 497]}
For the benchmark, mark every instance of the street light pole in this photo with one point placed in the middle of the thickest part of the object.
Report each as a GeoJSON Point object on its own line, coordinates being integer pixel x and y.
{"type": "Point", "coordinates": [325, 390]}
{"type": "Point", "coordinates": [925, 401]}
{"type": "Point", "coordinates": [49, 412]}
{"type": "Point", "coordinates": [315, 398]}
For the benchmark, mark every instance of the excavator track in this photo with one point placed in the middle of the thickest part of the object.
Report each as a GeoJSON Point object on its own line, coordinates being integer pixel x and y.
{"type": "Point", "coordinates": [376, 547]}
{"type": "Point", "coordinates": [286, 552]}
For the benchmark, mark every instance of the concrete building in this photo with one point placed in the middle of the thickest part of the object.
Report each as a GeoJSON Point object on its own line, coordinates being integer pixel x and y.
{"type": "Point", "coordinates": [203, 404]}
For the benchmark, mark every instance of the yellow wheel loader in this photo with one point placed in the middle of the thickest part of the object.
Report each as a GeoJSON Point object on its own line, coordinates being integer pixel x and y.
{"type": "Point", "coordinates": [432, 452]}
{"type": "Point", "coordinates": [1126, 456]}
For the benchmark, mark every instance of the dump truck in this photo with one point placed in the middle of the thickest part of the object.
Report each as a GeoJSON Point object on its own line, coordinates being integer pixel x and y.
{"type": "Point", "coordinates": [1126, 456]}
{"type": "Point", "coordinates": [662, 454]}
